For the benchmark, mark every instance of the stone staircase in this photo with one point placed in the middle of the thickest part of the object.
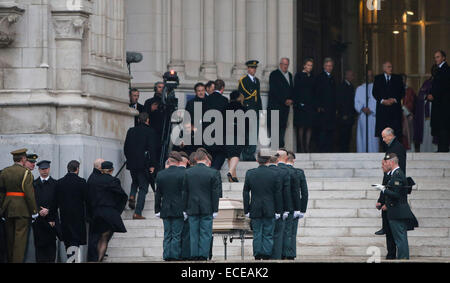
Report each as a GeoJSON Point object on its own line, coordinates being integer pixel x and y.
{"type": "Point", "coordinates": [341, 217]}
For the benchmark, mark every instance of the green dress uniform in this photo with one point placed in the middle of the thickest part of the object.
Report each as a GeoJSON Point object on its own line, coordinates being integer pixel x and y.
{"type": "Point", "coordinates": [287, 250]}
{"type": "Point", "coordinates": [169, 203]}
{"type": "Point", "coordinates": [201, 190]}
{"type": "Point", "coordinates": [263, 199]}
{"type": "Point", "coordinates": [280, 224]}
{"type": "Point", "coordinates": [251, 90]}
{"type": "Point", "coordinates": [399, 214]}
{"type": "Point", "coordinates": [185, 237]}
{"type": "Point", "coordinates": [18, 204]}
{"type": "Point", "coordinates": [300, 203]}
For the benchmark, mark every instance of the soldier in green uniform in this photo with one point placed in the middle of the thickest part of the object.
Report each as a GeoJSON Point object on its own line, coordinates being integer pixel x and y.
{"type": "Point", "coordinates": [263, 204]}
{"type": "Point", "coordinates": [299, 202]}
{"type": "Point", "coordinates": [168, 206]}
{"type": "Point", "coordinates": [30, 164]}
{"type": "Point", "coordinates": [249, 87]}
{"type": "Point", "coordinates": [399, 214]}
{"type": "Point", "coordinates": [18, 205]}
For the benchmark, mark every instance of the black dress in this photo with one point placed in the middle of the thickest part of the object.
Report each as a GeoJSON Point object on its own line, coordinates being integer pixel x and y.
{"type": "Point", "coordinates": [235, 150]}
{"type": "Point", "coordinates": [110, 203]}
{"type": "Point", "coordinates": [305, 108]}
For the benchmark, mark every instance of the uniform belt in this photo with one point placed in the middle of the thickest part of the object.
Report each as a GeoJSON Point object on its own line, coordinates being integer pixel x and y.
{"type": "Point", "coordinates": [15, 194]}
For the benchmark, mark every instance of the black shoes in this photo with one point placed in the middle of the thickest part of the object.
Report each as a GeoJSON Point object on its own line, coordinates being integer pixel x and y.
{"type": "Point", "coordinates": [132, 203]}
{"type": "Point", "coordinates": [380, 233]}
{"type": "Point", "coordinates": [232, 179]}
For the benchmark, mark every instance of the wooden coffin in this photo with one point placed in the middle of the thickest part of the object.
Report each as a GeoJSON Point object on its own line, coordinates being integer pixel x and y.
{"type": "Point", "coordinates": [230, 217]}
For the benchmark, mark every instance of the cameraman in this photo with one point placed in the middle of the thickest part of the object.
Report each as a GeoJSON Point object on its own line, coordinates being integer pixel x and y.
{"type": "Point", "coordinates": [140, 151]}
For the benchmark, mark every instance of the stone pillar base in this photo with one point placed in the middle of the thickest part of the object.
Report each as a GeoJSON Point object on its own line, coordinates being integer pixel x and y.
{"type": "Point", "coordinates": [208, 71]}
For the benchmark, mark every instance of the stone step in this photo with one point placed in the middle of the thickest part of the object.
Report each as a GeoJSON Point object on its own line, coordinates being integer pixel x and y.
{"type": "Point", "coordinates": [349, 164]}
{"type": "Point", "coordinates": [368, 156]}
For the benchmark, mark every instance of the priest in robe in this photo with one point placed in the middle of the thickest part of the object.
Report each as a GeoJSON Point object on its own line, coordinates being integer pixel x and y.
{"type": "Point", "coordinates": [363, 111]}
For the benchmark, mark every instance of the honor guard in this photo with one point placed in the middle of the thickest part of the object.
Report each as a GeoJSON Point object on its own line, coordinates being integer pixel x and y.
{"type": "Point", "coordinates": [18, 205]}
{"type": "Point", "coordinates": [249, 87]}
{"type": "Point", "coordinates": [263, 204]}
{"type": "Point", "coordinates": [399, 214]}
{"type": "Point", "coordinates": [31, 161]}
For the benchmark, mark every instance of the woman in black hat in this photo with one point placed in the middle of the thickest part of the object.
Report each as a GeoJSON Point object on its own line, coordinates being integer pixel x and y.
{"type": "Point", "coordinates": [109, 204]}
{"type": "Point", "coordinates": [234, 151]}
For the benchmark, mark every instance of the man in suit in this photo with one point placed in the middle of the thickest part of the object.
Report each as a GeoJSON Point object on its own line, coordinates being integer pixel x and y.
{"type": "Point", "coordinates": [299, 205]}
{"type": "Point", "coordinates": [392, 145]}
{"type": "Point", "coordinates": [44, 227]}
{"type": "Point", "coordinates": [140, 151]}
{"type": "Point", "coordinates": [249, 87]}
{"type": "Point", "coordinates": [325, 91]}
{"type": "Point", "coordinates": [134, 103]}
{"type": "Point", "coordinates": [169, 206]}
{"type": "Point", "coordinates": [18, 205]}
{"type": "Point", "coordinates": [401, 219]}
{"type": "Point", "coordinates": [388, 90]}
{"type": "Point", "coordinates": [216, 101]}
{"type": "Point", "coordinates": [346, 113]}
{"type": "Point", "coordinates": [153, 106]}
{"type": "Point", "coordinates": [200, 100]}
{"type": "Point", "coordinates": [71, 199]}
{"type": "Point", "coordinates": [280, 224]}
{"type": "Point", "coordinates": [440, 96]}
{"type": "Point", "coordinates": [210, 87]}
{"type": "Point", "coordinates": [263, 204]}
{"type": "Point", "coordinates": [281, 87]}
{"type": "Point", "coordinates": [201, 189]}
{"type": "Point", "coordinates": [93, 181]}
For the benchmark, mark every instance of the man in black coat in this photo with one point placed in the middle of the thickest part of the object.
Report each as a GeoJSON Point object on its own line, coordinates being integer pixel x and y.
{"type": "Point", "coordinates": [169, 206]}
{"type": "Point", "coordinates": [3, 251]}
{"type": "Point", "coordinates": [281, 88]}
{"type": "Point", "coordinates": [263, 204]}
{"type": "Point", "coordinates": [93, 181]}
{"type": "Point", "coordinates": [134, 103]}
{"type": "Point", "coordinates": [185, 237]}
{"type": "Point", "coordinates": [325, 91]}
{"type": "Point", "coordinates": [388, 91]}
{"type": "Point", "coordinates": [201, 192]}
{"type": "Point", "coordinates": [140, 152]}
{"type": "Point", "coordinates": [216, 101]}
{"type": "Point", "coordinates": [44, 227]}
{"type": "Point", "coordinates": [346, 114]}
{"type": "Point", "coordinates": [440, 96]}
{"type": "Point", "coordinates": [71, 198]}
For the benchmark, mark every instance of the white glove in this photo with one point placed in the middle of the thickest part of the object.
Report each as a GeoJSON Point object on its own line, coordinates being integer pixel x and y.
{"type": "Point", "coordinates": [277, 216]}
{"type": "Point", "coordinates": [33, 217]}
{"type": "Point", "coordinates": [3, 219]}
{"type": "Point", "coordinates": [297, 214]}
{"type": "Point", "coordinates": [379, 187]}
{"type": "Point", "coordinates": [215, 215]}
{"type": "Point", "coordinates": [185, 216]}
{"type": "Point", "coordinates": [302, 215]}
{"type": "Point", "coordinates": [158, 215]}
{"type": "Point", "coordinates": [285, 215]}
{"type": "Point", "coordinates": [247, 215]}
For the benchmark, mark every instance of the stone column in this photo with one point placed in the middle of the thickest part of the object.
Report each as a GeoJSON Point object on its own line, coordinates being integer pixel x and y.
{"type": "Point", "coordinates": [69, 29]}
{"type": "Point", "coordinates": [240, 39]}
{"type": "Point", "coordinates": [271, 37]}
{"type": "Point", "coordinates": [176, 37]}
{"type": "Point", "coordinates": [208, 69]}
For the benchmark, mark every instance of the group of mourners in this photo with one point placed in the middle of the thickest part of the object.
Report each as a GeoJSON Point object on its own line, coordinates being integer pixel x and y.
{"type": "Point", "coordinates": [38, 214]}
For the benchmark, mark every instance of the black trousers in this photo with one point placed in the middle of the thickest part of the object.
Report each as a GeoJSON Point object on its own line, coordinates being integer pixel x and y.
{"type": "Point", "coordinates": [283, 118]}
{"type": "Point", "coordinates": [46, 254]}
{"type": "Point", "coordinates": [345, 135]}
{"type": "Point", "coordinates": [326, 137]}
{"type": "Point", "coordinates": [444, 140]}
{"type": "Point", "coordinates": [219, 157]}
{"type": "Point", "coordinates": [390, 243]}
{"type": "Point", "coordinates": [93, 239]}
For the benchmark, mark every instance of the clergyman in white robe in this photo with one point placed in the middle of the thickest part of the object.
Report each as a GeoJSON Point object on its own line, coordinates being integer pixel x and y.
{"type": "Point", "coordinates": [360, 103]}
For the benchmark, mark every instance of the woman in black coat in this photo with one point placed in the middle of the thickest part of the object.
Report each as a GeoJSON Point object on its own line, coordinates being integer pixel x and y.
{"type": "Point", "coordinates": [234, 151]}
{"type": "Point", "coordinates": [305, 110]}
{"type": "Point", "coordinates": [108, 206]}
